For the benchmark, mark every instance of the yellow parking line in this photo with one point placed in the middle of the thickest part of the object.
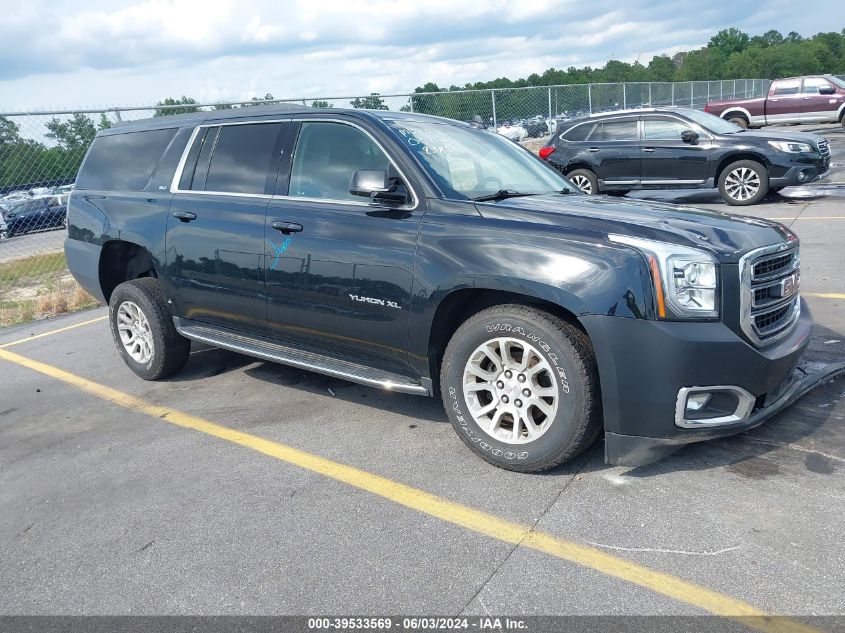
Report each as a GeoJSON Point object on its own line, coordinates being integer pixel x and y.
{"type": "Point", "coordinates": [448, 511]}
{"type": "Point", "coordinates": [56, 331]}
{"type": "Point", "coordinates": [824, 295]}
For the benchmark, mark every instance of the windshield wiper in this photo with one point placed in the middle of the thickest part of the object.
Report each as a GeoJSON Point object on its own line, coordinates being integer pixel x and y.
{"type": "Point", "coordinates": [501, 194]}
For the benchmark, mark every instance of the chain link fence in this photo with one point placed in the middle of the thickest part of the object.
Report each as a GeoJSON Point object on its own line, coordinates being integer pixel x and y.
{"type": "Point", "coordinates": [40, 154]}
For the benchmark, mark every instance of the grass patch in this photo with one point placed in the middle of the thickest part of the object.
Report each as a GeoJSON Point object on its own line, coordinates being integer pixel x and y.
{"type": "Point", "coordinates": [34, 268]}
{"type": "Point", "coordinates": [37, 287]}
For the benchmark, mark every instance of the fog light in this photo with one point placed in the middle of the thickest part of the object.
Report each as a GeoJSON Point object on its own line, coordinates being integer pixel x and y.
{"type": "Point", "coordinates": [802, 175]}
{"type": "Point", "coordinates": [697, 401]}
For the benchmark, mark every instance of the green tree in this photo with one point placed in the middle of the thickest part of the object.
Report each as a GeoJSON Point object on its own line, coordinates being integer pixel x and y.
{"type": "Point", "coordinates": [661, 68]}
{"type": "Point", "coordinates": [729, 41]}
{"type": "Point", "coordinates": [188, 102]}
{"type": "Point", "coordinates": [320, 103]}
{"type": "Point", "coordinates": [372, 102]}
{"type": "Point", "coordinates": [9, 132]}
{"type": "Point", "coordinates": [255, 101]}
{"type": "Point", "coordinates": [74, 134]}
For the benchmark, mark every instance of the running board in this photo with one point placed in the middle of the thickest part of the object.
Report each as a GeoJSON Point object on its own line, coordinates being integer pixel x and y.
{"type": "Point", "coordinates": [269, 350]}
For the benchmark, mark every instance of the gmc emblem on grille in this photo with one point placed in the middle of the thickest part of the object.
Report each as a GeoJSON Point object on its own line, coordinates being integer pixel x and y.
{"type": "Point", "coordinates": [788, 286]}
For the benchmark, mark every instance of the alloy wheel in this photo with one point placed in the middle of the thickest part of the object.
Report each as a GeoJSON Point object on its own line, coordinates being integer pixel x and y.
{"type": "Point", "coordinates": [510, 390]}
{"type": "Point", "coordinates": [583, 183]}
{"type": "Point", "coordinates": [742, 183]}
{"type": "Point", "coordinates": [135, 334]}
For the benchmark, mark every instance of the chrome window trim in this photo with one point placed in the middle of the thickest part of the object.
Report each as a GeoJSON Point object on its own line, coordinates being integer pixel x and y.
{"type": "Point", "coordinates": [745, 405]}
{"type": "Point", "coordinates": [177, 176]}
{"type": "Point", "coordinates": [746, 295]}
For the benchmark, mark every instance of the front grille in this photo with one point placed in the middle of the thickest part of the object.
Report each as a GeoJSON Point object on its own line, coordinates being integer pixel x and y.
{"type": "Point", "coordinates": [824, 149]}
{"type": "Point", "coordinates": [770, 302]}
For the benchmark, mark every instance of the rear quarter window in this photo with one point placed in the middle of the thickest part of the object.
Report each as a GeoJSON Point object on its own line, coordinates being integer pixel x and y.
{"type": "Point", "coordinates": [124, 161]}
{"type": "Point", "coordinates": [578, 133]}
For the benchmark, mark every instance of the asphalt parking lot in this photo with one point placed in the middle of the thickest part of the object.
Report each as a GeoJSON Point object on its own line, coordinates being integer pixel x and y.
{"type": "Point", "coordinates": [228, 489]}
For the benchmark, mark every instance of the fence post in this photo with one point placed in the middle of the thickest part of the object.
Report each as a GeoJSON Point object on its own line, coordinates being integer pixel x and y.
{"type": "Point", "coordinates": [590, 98]}
{"type": "Point", "coordinates": [493, 98]}
{"type": "Point", "coordinates": [733, 94]}
{"type": "Point", "coordinates": [624, 97]}
{"type": "Point", "coordinates": [721, 90]}
{"type": "Point", "coordinates": [550, 104]}
{"type": "Point", "coordinates": [708, 92]}
{"type": "Point", "coordinates": [673, 93]}
{"type": "Point", "coordinates": [411, 102]}
{"type": "Point", "coordinates": [650, 102]}
{"type": "Point", "coordinates": [692, 94]}
{"type": "Point", "coordinates": [117, 115]}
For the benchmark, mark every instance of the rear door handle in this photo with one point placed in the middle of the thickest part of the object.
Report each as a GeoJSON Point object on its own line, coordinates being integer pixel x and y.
{"type": "Point", "coordinates": [806, 98]}
{"type": "Point", "coordinates": [286, 227]}
{"type": "Point", "coordinates": [184, 216]}
{"type": "Point", "coordinates": [648, 149]}
{"type": "Point", "coordinates": [594, 149]}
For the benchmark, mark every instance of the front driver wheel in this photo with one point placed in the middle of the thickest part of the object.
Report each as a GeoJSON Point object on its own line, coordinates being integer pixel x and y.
{"type": "Point", "coordinates": [585, 180]}
{"type": "Point", "coordinates": [143, 331]}
{"type": "Point", "coordinates": [521, 388]}
{"type": "Point", "coordinates": [744, 182]}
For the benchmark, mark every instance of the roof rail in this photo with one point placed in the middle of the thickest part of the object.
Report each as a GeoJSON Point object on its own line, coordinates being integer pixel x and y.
{"type": "Point", "coordinates": [634, 110]}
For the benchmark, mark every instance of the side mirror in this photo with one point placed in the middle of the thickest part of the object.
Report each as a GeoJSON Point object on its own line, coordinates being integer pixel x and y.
{"type": "Point", "coordinates": [375, 184]}
{"type": "Point", "coordinates": [368, 183]}
{"type": "Point", "coordinates": [827, 90]}
{"type": "Point", "coordinates": [689, 136]}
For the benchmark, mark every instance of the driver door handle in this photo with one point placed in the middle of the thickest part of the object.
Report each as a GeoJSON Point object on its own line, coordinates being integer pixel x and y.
{"type": "Point", "coordinates": [594, 149]}
{"type": "Point", "coordinates": [648, 149]}
{"type": "Point", "coordinates": [184, 216]}
{"type": "Point", "coordinates": [286, 227]}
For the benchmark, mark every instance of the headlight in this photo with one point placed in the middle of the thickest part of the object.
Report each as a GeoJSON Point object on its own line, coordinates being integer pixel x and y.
{"type": "Point", "coordinates": [685, 279]}
{"type": "Point", "coordinates": [792, 148]}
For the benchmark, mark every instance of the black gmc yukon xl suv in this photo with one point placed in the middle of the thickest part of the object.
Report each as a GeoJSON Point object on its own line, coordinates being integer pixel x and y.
{"type": "Point", "coordinates": [424, 256]}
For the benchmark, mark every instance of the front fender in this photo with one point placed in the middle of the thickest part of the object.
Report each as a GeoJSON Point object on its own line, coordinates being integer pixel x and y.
{"type": "Point", "coordinates": [579, 275]}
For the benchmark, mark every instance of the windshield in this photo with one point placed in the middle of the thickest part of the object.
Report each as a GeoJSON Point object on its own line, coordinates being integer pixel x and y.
{"type": "Point", "coordinates": [711, 122]}
{"type": "Point", "coordinates": [467, 163]}
{"type": "Point", "coordinates": [835, 80]}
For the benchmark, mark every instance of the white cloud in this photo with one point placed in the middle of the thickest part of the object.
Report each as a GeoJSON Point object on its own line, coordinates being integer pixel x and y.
{"type": "Point", "coordinates": [73, 52]}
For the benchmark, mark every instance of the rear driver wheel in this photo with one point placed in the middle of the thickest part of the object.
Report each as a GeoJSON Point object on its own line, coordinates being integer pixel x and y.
{"type": "Point", "coordinates": [585, 180]}
{"type": "Point", "coordinates": [143, 331]}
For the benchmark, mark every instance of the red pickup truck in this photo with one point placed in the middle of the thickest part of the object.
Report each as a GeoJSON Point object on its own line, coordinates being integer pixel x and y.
{"type": "Point", "coordinates": [816, 99]}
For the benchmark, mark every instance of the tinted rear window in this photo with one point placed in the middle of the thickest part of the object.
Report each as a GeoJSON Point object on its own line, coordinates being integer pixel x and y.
{"type": "Point", "coordinates": [242, 158]}
{"type": "Point", "coordinates": [124, 161]}
{"type": "Point", "coordinates": [615, 131]}
{"type": "Point", "coordinates": [578, 133]}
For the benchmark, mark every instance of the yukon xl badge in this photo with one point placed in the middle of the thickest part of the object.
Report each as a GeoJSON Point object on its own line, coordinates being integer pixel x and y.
{"type": "Point", "coordinates": [374, 301]}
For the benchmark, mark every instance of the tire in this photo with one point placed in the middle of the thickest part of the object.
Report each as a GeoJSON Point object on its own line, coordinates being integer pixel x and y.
{"type": "Point", "coordinates": [158, 349]}
{"type": "Point", "coordinates": [743, 183]}
{"type": "Point", "coordinates": [585, 180]}
{"type": "Point", "coordinates": [561, 359]}
{"type": "Point", "coordinates": [741, 121]}
{"type": "Point", "coordinates": [618, 193]}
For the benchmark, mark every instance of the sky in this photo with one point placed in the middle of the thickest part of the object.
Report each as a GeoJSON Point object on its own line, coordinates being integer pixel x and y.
{"type": "Point", "coordinates": [58, 54]}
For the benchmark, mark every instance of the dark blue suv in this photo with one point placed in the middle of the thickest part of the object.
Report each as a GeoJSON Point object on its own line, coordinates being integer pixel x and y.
{"type": "Point", "coordinates": [422, 255]}
{"type": "Point", "coordinates": [678, 148]}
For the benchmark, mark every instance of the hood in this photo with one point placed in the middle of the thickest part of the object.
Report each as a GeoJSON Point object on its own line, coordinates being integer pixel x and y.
{"type": "Point", "coordinates": [765, 135]}
{"type": "Point", "coordinates": [726, 235]}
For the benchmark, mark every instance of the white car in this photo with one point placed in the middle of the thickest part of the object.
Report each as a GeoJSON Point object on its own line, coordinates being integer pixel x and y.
{"type": "Point", "coordinates": [513, 132]}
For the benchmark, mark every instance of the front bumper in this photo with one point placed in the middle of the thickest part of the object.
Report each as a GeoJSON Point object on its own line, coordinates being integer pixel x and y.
{"type": "Point", "coordinates": [644, 364]}
{"type": "Point", "coordinates": [790, 175]}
